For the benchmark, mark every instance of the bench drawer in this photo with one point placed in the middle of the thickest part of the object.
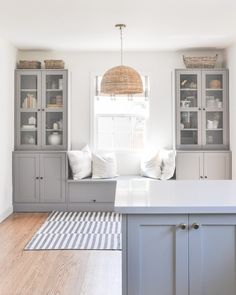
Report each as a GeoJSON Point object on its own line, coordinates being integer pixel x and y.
{"type": "Point", "coordinates": [92, 192]}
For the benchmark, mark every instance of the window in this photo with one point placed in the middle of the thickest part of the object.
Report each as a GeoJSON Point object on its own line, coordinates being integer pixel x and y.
{"type": "Point", "coordinates": [119, 122]}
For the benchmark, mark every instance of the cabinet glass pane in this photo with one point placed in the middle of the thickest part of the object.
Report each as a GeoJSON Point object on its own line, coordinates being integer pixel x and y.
{"type": "Point", "coordinates": [28, 128]}
{"type": "Point", "coordinates": [189, 128]}
{"type": "Point", "coordinates": [214, 90]}
{"type": "Point", "coordinates": [188, 90]}
{"type": "Point", "coordinates": [188, 137]}
{"type": "Point", "coordinates": [54, 128]}
{"type": "Point", "coordinates": [28, 91]}
{"type": "Point", "coordinates": [54, 91]}
{"type": "Point", "coordinates": [188, 120]}
{"type": "Point", "coordinates": [214, 137]}
{"type": "Point", "coordinates": [214, 127]}
{"type": "Point", "coordinates": [214, 120]}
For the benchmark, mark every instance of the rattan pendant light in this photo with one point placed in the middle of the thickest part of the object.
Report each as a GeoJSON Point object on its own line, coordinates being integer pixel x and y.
{"type": "Point", "coordinates": [121, 79]}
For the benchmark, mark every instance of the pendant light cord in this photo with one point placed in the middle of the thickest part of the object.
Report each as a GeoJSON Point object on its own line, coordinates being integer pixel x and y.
{"type": "Point", "coordinates": [121, 46]}
{"type": "Point", "coordinates": [121, 27]}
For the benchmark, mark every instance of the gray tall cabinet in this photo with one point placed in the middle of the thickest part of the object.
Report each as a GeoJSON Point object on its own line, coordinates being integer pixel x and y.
{"type": "Point", "coordinates": [41, 140]}
{"type": "Point", "coordinates": [202, 124]}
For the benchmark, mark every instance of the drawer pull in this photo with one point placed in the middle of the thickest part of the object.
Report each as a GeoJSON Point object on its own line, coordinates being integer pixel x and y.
{"type": "Point", "coordinates": [196, 226]}
{"type": "Point", "coordinates": [94, 201]}
{"type": "Point", "coordinates": [183, 226]}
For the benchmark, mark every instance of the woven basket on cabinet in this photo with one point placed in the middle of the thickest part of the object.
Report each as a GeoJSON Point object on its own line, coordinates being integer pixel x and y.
{"type": "Point", "coordinates": [29, 64]}
{"type": "Point", "coordinates": [195, 62]}
{"type": "Point", "coordinates": [54, 64]}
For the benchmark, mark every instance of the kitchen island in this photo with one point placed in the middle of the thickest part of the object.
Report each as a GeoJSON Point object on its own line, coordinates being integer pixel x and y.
{"type": "Point", "coordinates": [178, 237]}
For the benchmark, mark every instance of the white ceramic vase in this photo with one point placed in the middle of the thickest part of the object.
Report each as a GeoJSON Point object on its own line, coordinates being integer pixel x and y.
{"type": "Point", "coordinates": [54, 138]}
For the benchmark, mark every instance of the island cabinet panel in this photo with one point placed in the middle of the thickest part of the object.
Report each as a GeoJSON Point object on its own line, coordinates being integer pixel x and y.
{"type": "Point", "coordinates": [212, 255]}
{"type": "Point", "coordinates": [179, 254]}
{"type": "Point", "coordinates": [157, 251]}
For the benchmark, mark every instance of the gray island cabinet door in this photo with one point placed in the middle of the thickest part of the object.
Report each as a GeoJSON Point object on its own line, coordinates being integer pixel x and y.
{"type": "Point", "coordinates": [157, 255]}
{"type": "Point", "coordinates": [52, 177]}
{"type": "Point", "coordinates": [26, 178]}
{"type": "Point", "coordinates": [212, 255]}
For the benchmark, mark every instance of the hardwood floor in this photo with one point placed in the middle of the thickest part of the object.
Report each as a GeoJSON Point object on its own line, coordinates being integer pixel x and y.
{"type": "Point", "coordinates": [52, 272]}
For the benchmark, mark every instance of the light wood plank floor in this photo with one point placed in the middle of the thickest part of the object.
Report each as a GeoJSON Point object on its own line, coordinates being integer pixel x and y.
{"type": "Point", "coordinates": [52, 272]}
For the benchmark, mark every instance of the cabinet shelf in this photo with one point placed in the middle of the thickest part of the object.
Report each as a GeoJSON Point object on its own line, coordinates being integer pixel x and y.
{"type": "Point", "coordinates": [214, 129]}
{"type": "Point", "coordinates": [28, 110]}
{"type": "Point", "coordinates": [214, 89]}
{"type": "Point", "coordinates": [189, 129]}
{"type": "Point", "coordinates": [189, 109]}
{"type": "Point", "coordinates": [214, 109]}
{"type": "Point", "coordinates": [28, 130]}
{"type": "Point", "coordinates": [188, 89]}
{"type": "Point", "coordinates": [51, 90]}
{"type": "Point", "coordinates": [31, 90]}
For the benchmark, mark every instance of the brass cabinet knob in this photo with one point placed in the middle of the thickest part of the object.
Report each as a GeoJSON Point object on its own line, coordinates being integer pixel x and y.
{"type": "Point", "coordinates": [195, 225]}
{"type": "Point", "coordinates": [183, 226]}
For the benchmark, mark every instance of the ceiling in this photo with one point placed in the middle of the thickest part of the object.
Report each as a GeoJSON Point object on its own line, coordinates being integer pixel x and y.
{"type": "Point", "coordinates": [89, 24]}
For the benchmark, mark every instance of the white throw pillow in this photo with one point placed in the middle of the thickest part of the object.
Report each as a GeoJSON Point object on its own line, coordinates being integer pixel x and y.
{"type": "Point", "coordinates": [151, 166]}
{"type": "Point", "coordinates": [80, 163]}
{"type": "Point", "coordinates": [168, 163]}
{"type": "Point", "coordinates": [104, 165]}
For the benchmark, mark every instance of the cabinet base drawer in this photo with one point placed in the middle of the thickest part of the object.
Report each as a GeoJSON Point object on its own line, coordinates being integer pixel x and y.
{"type": "Point", "coordinates": [92, 192]}
{"type": "Point", "coordinates": [91, 207]}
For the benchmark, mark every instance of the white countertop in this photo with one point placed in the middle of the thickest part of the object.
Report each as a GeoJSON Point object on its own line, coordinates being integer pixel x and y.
{"type": "Point", "coordinates": [175, 196]}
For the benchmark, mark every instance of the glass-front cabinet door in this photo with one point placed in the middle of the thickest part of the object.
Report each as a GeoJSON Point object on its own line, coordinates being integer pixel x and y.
{"type": "Point", "coordinates": [188, 109]}
{"type": "Point", "coordinates": [28, 101]}
{"type": "Point", "coordinates": [215, 109]}
{"type": "Point", "coordinates": [54, 110]}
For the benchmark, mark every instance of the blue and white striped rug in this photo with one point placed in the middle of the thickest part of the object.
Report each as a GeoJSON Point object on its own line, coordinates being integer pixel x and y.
{"type": "Point", "coordinates": [78, 230]}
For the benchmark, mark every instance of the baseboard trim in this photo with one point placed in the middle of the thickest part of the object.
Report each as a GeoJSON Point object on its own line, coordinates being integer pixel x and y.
{"type": "Point", "coordinates": [6, 213]}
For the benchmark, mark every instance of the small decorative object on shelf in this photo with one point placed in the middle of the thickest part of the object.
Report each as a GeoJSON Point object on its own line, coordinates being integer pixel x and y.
{"type": "Point", "coordinates": [215, 84]}
{"type": "Point", "coordinates": [29, 102]}
{"type": "Point", "coordinates": [32, 120]}
{"type": "Point", "coordinates": [29, 139]}
{"type": "Point", "coordinates": [185, 84]}
{"type": "Point", "coordinates": [196, 62]}
{"type": "Point", "coordinates": [29, 64]}
{"type": "Point", "coordinates": [54, 64]}
{"type": "Point", "coordinates": [54, 138]}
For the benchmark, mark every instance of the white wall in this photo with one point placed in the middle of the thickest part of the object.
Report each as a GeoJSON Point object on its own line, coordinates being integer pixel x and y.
{"type": "Point", "coordinates": [7, 65]}
{"type": "Point", "coordinates": [231, 63]}
{"type": "Point", "coordinates": [158, 65]}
